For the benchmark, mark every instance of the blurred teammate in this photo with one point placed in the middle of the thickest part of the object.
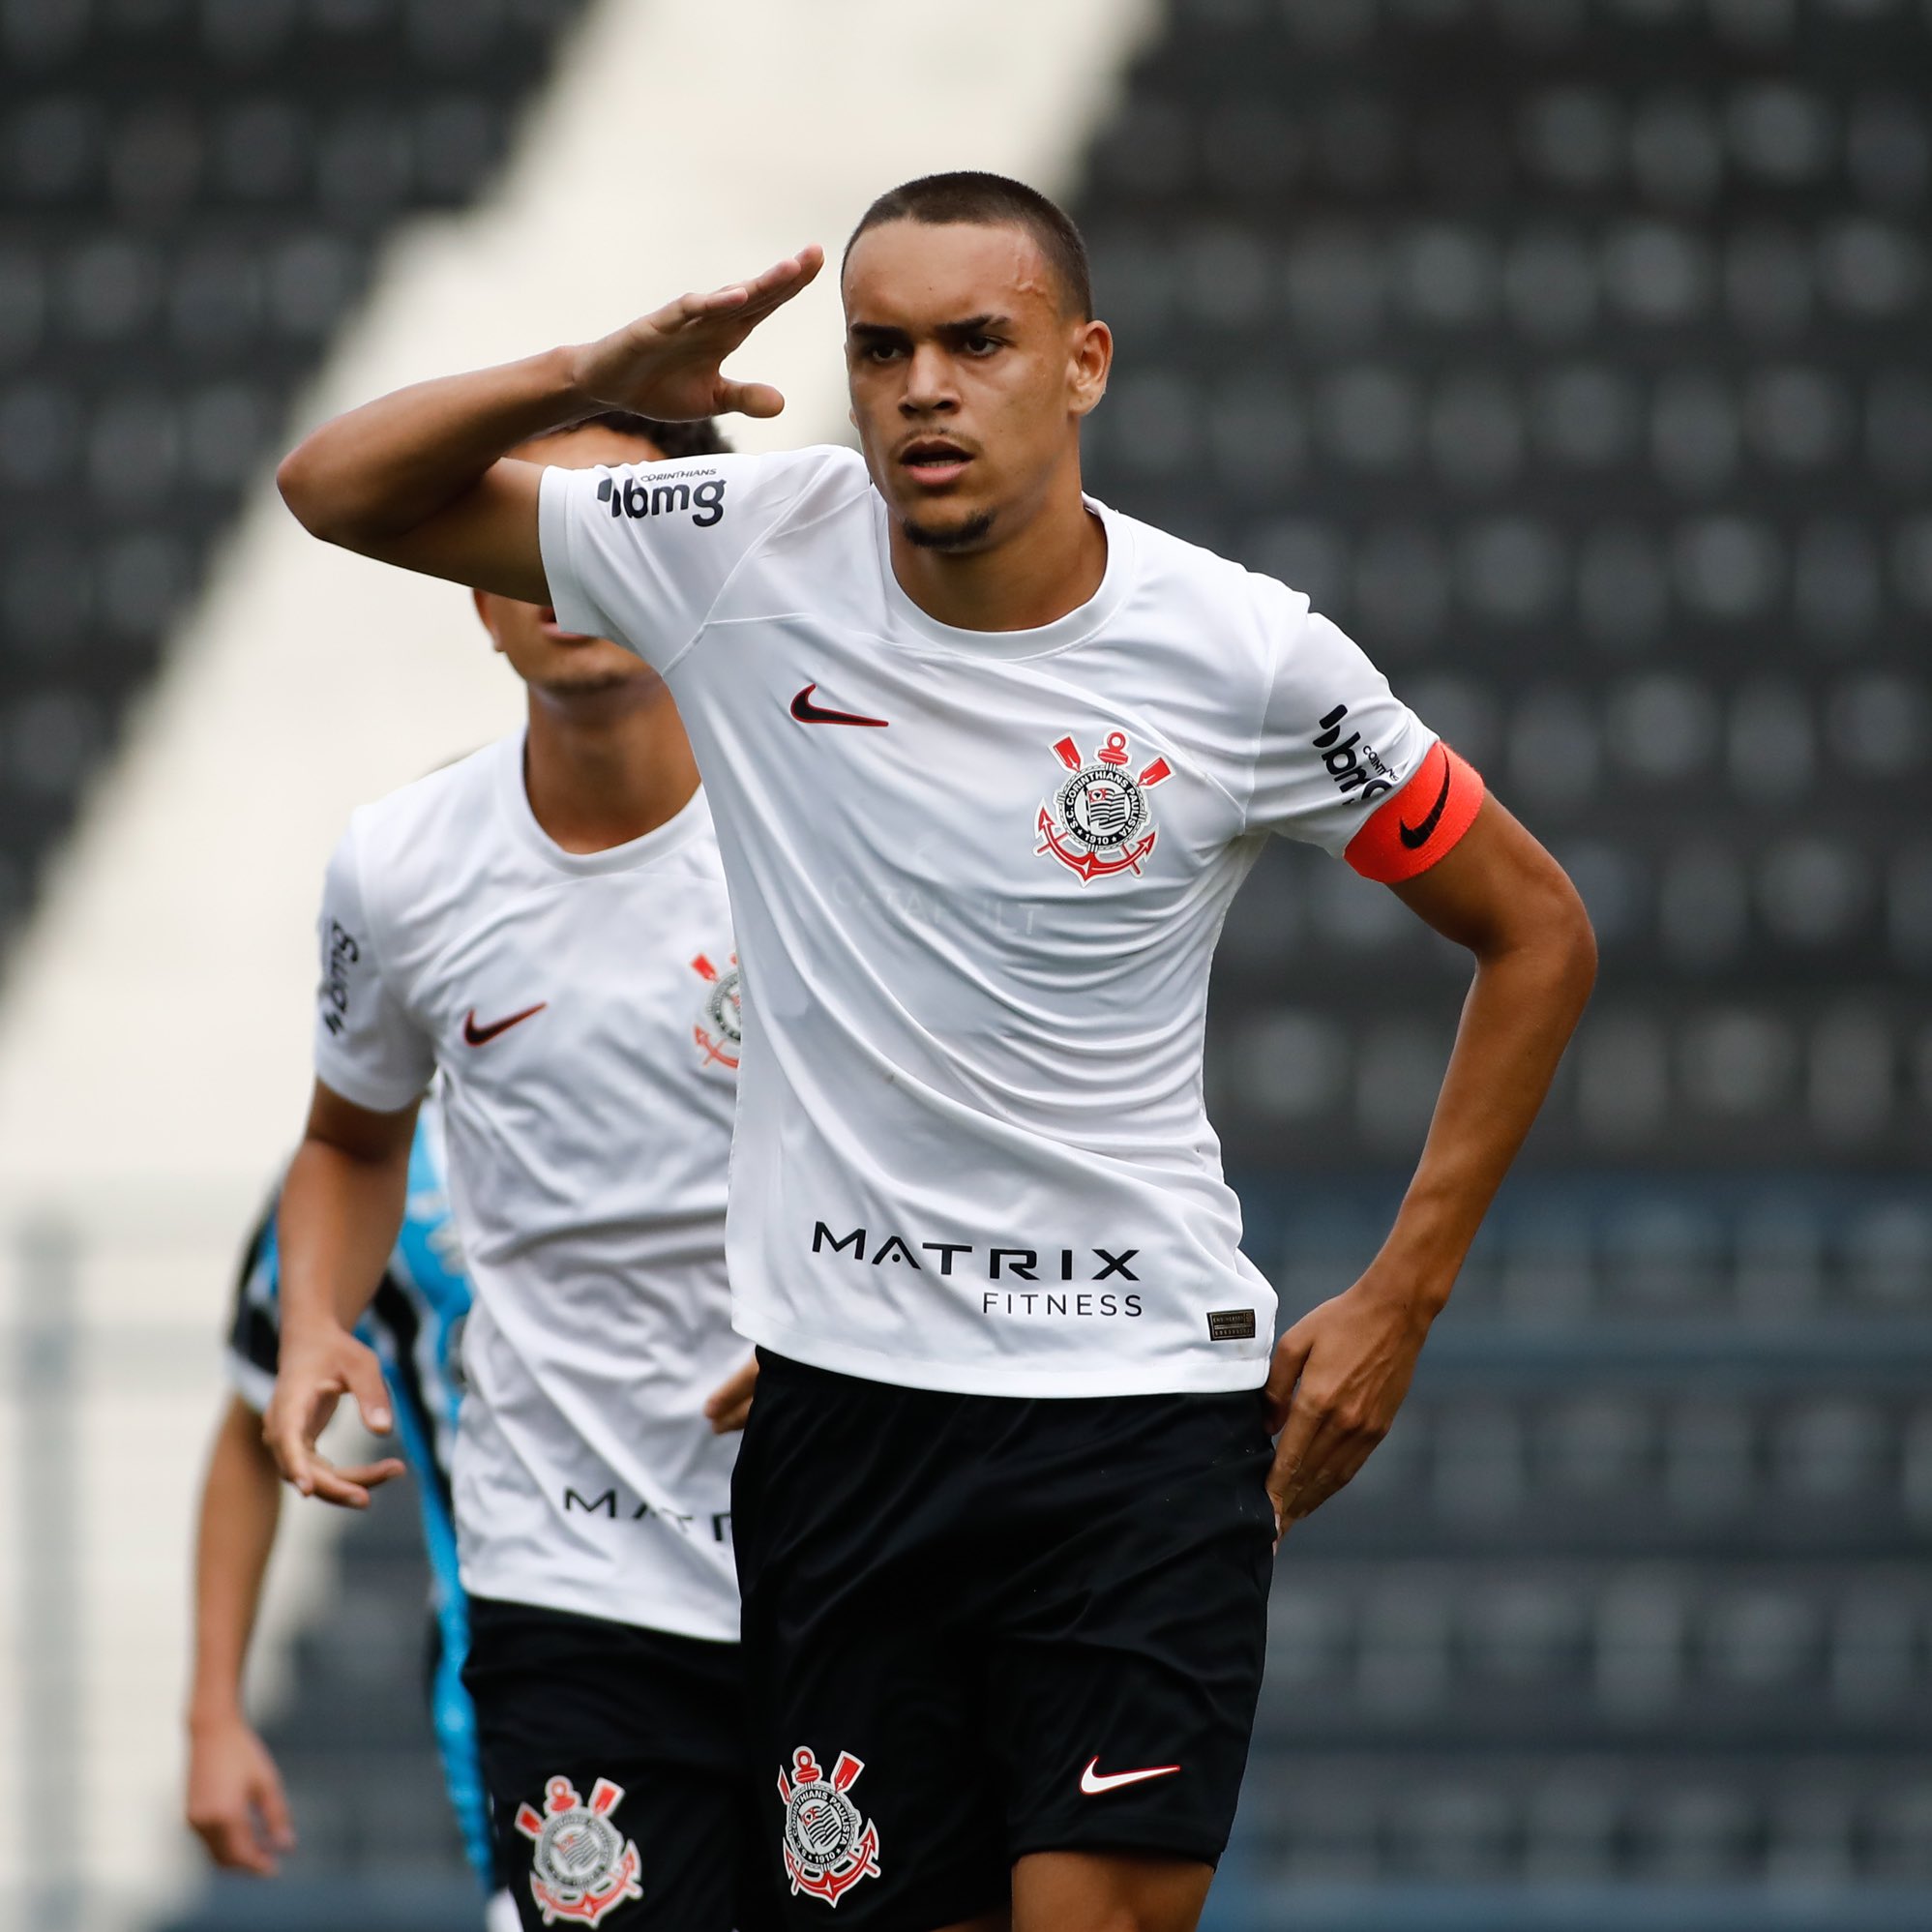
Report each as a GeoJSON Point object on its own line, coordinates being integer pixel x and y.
{"type": "Point", "coordinates": [544, 926]}
{"type": "Point", "coordinates": [235, 1798]}
{"type": "Point", "coordinates": [989, 763]}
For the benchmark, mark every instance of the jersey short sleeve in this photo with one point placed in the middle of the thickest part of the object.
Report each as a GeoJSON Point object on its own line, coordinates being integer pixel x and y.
{"type": "Point", "coordinates": [367, 1047]}
{"type": "Point", "coordinates": [1339, 759]}
{"type": "Point", "coordinates": [640, 554]}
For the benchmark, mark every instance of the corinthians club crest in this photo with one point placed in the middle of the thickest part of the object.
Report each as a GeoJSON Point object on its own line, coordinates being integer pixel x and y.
{"type": "Point", "coordinates": [582, 1868]}
{"type": "Point", "coordinates": [1098, 821]}
{"type": "Point", "coordinates": [829, 1845]}
{"type": "Point", "coordinates": [720, 1032]}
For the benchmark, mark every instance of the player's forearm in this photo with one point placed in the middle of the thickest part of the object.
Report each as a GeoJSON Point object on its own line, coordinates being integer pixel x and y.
{"type": "Point", "coordinates": [241, 1505]}
{"type": "Point", "coordinates": [378, 472]}
{"type": "Point", "coordinates": [1526, 998]}
{"type": "Point", "coordinates": [340, 1217]}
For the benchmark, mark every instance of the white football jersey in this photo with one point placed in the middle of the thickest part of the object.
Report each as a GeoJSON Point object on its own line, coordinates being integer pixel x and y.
{"type": "Point", "coordinates": [583, 1010]}
{"type": "Point", "coordinates": [978, 880]}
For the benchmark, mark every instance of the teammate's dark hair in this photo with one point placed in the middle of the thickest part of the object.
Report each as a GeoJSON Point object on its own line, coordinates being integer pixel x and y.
{"type": "Point", "coordinates": [992, 200]}
{"type": "Point", "coordinates": [701, 438]}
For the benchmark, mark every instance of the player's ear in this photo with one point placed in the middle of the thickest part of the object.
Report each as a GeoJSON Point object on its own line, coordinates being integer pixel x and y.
{"type": "Point", "coordinates": [1092, 359]}
{"type": "Point", "coordinates": [483, 602]}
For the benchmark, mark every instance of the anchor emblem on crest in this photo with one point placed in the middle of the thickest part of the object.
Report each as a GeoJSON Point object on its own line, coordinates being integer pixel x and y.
{"type": "Point", "coordinates": [829, 1844]}
{"type": "Point", "coordinates": [1098, 821]}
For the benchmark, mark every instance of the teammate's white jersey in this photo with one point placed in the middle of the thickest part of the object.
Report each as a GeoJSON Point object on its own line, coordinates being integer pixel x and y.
{"type": "Point", "coordinates": [978, 880]}
{"type": "Point", "coordinates": [583, 1011]}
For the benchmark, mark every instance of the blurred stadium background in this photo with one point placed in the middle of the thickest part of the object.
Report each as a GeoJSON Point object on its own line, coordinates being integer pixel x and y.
{"type": "Point", "coordinates": [1573, 353]}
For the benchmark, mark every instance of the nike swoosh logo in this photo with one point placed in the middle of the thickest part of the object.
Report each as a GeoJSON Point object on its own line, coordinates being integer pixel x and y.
{"type": "Point", "coordinates": [1093, 1783]}
{"type": "Point", "coordinates": [809, 713]}
{"type": "Point", "coordinates": [1415, 836]}
{"type": "Point", "coordinates": [480, 1036]}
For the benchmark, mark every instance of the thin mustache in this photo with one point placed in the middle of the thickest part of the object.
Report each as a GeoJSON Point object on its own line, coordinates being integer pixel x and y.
{"type": "Point", "coordinates": [959, 443]}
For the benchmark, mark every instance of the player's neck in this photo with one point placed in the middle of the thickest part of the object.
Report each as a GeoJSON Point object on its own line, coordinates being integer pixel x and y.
{"type": "Point", "coordinates": [599, 775]}
{"type": "Point", "coordinates": [1049, 566]}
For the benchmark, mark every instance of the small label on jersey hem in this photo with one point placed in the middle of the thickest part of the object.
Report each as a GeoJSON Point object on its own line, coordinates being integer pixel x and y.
{"type": "Point", "coordinates": [1230, 1324]}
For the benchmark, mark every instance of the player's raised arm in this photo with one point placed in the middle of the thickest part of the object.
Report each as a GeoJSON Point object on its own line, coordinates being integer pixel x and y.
{"type": "Point", "coordinates": [420, 478]}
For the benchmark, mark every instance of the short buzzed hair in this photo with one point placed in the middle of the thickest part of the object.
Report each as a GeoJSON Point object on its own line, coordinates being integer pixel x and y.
{"type": "Point", "coordinates": [992, 200]}
{"type": "Point", "coordinates": [700, 438]}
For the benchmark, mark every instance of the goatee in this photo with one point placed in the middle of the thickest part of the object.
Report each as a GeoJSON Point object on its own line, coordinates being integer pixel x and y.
{"type": "Point", "coordinates": [966, 536]}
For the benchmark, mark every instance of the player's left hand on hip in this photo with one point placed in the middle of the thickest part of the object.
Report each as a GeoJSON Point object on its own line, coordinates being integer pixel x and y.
{"type": "Point", "coordinates": [1338, 1377]}
{"type": "Point", "coordinates": [728, 1406]}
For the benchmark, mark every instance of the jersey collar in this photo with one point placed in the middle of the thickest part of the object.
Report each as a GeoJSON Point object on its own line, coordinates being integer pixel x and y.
{"type": "Point", "coordinates": [678, 830]}
{"type": "Point", "coordinates": [911, 625]}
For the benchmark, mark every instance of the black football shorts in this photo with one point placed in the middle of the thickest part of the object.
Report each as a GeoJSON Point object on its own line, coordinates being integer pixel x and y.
{"type": "Point", "coordinates": [980, 1626]}
{"type": "Point", "coordinates": [615, 1763]}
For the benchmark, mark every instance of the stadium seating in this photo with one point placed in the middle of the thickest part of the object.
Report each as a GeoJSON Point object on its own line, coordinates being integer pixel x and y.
{"type": "Point", "coordinates": [1629, 1593]}
{"type": "Point", "coordinates": [1572, 354]}
{"type": "Point", "coordinates": [1574, 357]}
{"type": "Point", "coordinates": [192, 193]}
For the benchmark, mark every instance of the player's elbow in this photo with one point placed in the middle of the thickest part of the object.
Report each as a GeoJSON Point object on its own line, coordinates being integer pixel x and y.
{"type": "Point", "coordinates": [301, 490]}
{"type": "Point", "coordinates": [316, 497]}
{"type": "Point", "coordinates": [1565, 938]}
{"type": "Point", "coordinates": [1538, 929]}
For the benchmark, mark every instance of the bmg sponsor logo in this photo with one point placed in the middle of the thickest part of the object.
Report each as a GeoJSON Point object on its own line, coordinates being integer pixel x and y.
{"type": "Point", "coordinates": [1353, 766]}
{"type": "Point", "coordinates": [636, 497]}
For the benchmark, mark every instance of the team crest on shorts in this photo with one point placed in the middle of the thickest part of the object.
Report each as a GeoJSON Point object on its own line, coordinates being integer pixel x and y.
{"type": "Point", "coordinates": [580, 1869]}
{"type": "Point", "coordinates": [721, 1031]}
{"type": "Point", "coordinates": [1098, 821]}
{"type": "Point", "coordinates": [829, 1844]}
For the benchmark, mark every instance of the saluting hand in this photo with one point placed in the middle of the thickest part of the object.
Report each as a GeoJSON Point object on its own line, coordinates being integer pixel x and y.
{"type": "Point", "coordinates": [1338, 1377]}
{"type": "Point", "coordinates": [313, 1377]}
{"type": "Point", "coordinates": [667, 364]}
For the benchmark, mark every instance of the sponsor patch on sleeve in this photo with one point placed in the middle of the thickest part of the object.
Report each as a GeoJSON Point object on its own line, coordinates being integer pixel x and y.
{"type": "Point", "coordinates": [342, 951]}
{"type": "Point", "coordinates": [1422, 823]}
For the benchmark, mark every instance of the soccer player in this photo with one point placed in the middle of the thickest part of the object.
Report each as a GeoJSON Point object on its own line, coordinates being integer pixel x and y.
{"type": "Point", "coordinates": [235, 1798]}
{"type": "Point", "coordinates": [544, 927]}
{"type": "Point", "coordinates": [989, 761]}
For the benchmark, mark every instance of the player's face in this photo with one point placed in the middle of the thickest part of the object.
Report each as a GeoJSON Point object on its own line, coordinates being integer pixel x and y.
{"type": "Point", "coordinates": [549, 659]}
{"type": "Point", "coordinates": [969, 377]}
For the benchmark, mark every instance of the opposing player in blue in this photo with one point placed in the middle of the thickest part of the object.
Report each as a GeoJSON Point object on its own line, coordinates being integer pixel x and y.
{"type": "Point", "coordinates": [235, 1798]}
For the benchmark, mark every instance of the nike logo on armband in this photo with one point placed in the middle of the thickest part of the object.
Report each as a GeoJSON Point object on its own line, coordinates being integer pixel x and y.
{"type": "Point", "coordinates": [1389, 849]}
{"type": "Point", "coordinates": [1415, 836]}
{"type": "Point", "coordinates": [480, 1036]}
{"type": "Point", "coordinates": [1093, 1782]}
{"type": "Point", "coordinates": [809, 713]}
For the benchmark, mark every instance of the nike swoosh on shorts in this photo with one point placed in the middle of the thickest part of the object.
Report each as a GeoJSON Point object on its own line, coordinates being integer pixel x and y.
{"type": "Point", "coordinates": [1093, 1782]}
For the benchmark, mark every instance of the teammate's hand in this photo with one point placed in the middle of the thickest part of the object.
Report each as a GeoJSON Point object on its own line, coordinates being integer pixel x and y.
{"type": "Point", "coordinates": [1338, 1377]}
{"type": "Point", "coordinates": [312, 1379]}
{"type": "Point", "coordinates": [235, 1801]}
{"type": "Point", "coordinates": [730, 1403]}
{"type": "Point", "coordinates": [667, 364]}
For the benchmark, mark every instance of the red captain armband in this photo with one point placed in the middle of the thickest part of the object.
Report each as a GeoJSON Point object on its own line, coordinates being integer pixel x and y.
{"type": "Point", "coordinates": [1422, 823]}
